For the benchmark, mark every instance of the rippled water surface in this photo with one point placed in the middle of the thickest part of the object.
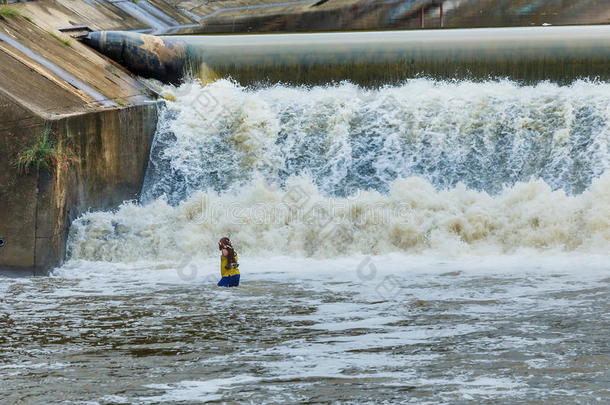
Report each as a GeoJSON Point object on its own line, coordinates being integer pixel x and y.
{"type": "Point", "coordinates": [392, 329]}
{"type": "Point", "coordinates": [508, 183]}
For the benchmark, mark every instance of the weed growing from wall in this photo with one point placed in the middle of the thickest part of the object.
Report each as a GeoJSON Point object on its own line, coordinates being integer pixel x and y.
{"type": "Point", "coordinates": [45, 154]}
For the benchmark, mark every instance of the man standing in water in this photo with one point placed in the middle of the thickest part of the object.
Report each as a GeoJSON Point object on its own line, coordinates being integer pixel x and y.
{"type": "Point", "coordinates": [229, 267]}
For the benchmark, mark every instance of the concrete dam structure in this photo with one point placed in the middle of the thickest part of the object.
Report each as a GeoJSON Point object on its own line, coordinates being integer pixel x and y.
{"type": "Point", "coordinates": [526, 54]}
{"type": "Point", "coordinates": [107, 117]}
{"type": "Point", "coordinates": [419, 202]}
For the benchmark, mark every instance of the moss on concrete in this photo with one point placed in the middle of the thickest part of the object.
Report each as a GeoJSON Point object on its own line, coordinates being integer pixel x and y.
{"type": "Point", "coordinates": [8, 12]}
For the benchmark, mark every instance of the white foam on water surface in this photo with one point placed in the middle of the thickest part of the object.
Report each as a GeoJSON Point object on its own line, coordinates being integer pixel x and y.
{"type": "Point", "coordinates": [413, 218]}
{"type": "Point", "coordinates": [356, 268]}
{"type": "Point", "coordinates": [450, 168]}
{"type": "Point", "coordinates": [195, 391]}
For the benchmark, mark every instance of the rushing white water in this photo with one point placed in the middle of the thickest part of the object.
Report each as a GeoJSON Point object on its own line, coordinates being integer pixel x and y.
{"type": "Point", "coordinates": [447, 167]}
{"type": "Point", "coordinates": [423, 244]}
{"type": "Point", "coordinates": [484, 135]}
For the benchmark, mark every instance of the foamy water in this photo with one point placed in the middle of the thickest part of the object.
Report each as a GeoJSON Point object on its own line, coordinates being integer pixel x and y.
{"type": "Point", "coordinates": [435, 242]}
{"type": "Point", "coordinates": [412, 217]}
{"type": "Point", "coordinates": [446, 167]}
{"type": "Point", "coordinates": [381, 329]}
{"type": "Point", "coordinates": [484, 135]}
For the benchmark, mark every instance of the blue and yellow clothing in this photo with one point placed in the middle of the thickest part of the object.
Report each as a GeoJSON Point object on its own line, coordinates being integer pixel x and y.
{"type": "Point", "coordinates": [225, 269]}
{"type": "Point", "coordinates": [230, 274]}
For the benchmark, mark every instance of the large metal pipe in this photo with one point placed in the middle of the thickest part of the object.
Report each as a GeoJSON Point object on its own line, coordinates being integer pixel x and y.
{"type": "Point", "coordinates": [146, 55]}
{"type": "Point", "coordinates": [560, 54]}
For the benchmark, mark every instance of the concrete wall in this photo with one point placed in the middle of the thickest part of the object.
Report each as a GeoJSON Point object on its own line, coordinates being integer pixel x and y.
{"type": "Point", "coordinates": [18, 195]}
{"type": "Point", "coordinates": [36, 209]}
{"type": "Point", "coordinates": [97, 109]}
{"type": "Point", "coordinates": [112, 147]}
{"type": "Point", "coordinates": [338, 15]}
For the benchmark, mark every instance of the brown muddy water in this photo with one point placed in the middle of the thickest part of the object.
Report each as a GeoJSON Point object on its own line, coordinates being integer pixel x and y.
{"type": "Point", "coordinates": [401, 329]}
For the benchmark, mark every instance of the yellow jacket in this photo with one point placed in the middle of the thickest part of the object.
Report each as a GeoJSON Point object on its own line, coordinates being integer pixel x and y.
{"type": "Point", "coordinates": [226, 272]}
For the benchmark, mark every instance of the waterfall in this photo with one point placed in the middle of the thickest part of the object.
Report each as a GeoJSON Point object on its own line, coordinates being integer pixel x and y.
{"type": "Point", "coordinates": [449, 166]}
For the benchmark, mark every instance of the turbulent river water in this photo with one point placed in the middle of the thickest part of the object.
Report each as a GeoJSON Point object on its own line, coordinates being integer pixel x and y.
{"type": "Point", "coordinates": [429, 242]}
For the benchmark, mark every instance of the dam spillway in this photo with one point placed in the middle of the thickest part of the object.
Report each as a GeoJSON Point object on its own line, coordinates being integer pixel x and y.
{"type": "Point", "coordinates": [526, 54]}
{"type": "Point", "coordinates": [428, 241]}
